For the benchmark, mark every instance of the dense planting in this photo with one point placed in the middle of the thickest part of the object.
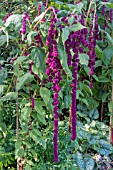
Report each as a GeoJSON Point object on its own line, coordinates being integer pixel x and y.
{"type": "Point", "coordinates": [56, 85]}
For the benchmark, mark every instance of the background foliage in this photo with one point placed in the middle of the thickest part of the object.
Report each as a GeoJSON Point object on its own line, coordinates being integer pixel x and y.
{"type": "Point", "coordinates": [33, 146]}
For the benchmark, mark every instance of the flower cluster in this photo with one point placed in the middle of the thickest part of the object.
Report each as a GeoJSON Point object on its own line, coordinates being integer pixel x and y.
{"type": "Point", "coordinates": [38, 40]}
{"type": "Point", "coordinates": [24, 22]}
{"type": "Point", "coordinates": [39, 9]}
{"type": "Point", "coordinates": [7, 16]}
{"type": "Point", "coordinates": [53, 72]}
{"type": "Point", "coordinates": [75, 42]}
{"type": "Point", "coordinates": [94, 35]}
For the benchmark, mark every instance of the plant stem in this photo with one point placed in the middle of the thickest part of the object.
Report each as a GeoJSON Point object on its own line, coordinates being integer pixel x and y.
{"type": "Point", "coordinates": [49, 8]}
{"type": "Point", "coordinates": [88, 12]}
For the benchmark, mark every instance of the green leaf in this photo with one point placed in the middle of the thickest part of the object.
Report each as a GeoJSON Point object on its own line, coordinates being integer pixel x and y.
{"type": "Point", "coordinates": [99, 52]}
{"type": "Point", "coordinates": [108, 53]}
{"type": "Point", "coordinates": [20, 152]}
{"type": "Point", "coordinates": [3, 75]}
{"type": "Point", "coordinates": [94, 114]}
{"type": "Point", "coordinates": [18, 144]}
{"type": "Point", "coordinates": [76, 27]}
{"type": "Point", "coordinates": [103, 79]}
{"type": "Point", "coordinates": [98, 63]}
{"type": "Point", "coordinates": [28, 167]}
{"type": "Point", "coordinates": [3, 127]}
{"type": "Point", "coordinates": [110, 106]}
{"type": "Point", "coordinates": [65, 34]}
{"type": "Point", "coordinates": [45, 94]}
{"type": "Point", "coordinates": [9, 96]}
{"type": "Point", "coordinates": [3, 40]}
{"type": "Point", "coordinates": [38, 55]}
{"type": "Point", "coordinates": [40, 113]}
{"type": "Point", "coordinates": [84, 58]}
{"type": "Point", "coordinates": [3, 88]}
{"type": "Point", "coordinates": [30, 36]}
{"type": "Point", "coordinates": [71, 20]}
{"type": "Point", "coordinates": [92, 104]}
{"type": "Point", "coordinates": [105, 152]}
{"type": "Point", "coordinates": [80, 161]}
{"type": "Point", "coordinates": [63, 60]}
{"type": "Point", "coordinates": [20, 60]}
{"type": "Point", "coordinates": [25, 79]}
{"type": "Point", "coordinates": [34, 136]}
{"type": "Point", "coordinates": [90, 164]}
{"type": "Point", "coordinates": [2, 23]}
{"type": "Point", "coordinates": [14, 19]}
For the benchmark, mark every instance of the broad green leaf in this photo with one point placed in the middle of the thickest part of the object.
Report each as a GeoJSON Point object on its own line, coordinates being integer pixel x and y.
{"type": "Point", "coordinates": [20, 60]}
{"type": "Point", "coordinates": [76, 27]}
{"type": "Point", "coordinates": [104, 144]}
{"type": "Point", "coordinates": [38, 56]}
{"type": "Point", "coordinates": [103, 79]}
{"type": "Point", "coordinates": [3, 127]}
{"type": "Point", "coordinates": [14, 19]}
{"type": "Point", "coordinates": [84, 58]}
{"type": "Point", "coordinates": [92, 104]}
{"type": "Point", "coordinates": [94, 114]}
{"type": "Point", "coordinates": [40, 113]}
{"type": "Point", "coordinates": [20, 152]}
{"type": "Point", "coordinates": [71, 20]}
{"type": "Point", "coordinates": [80, 162]}
{"type": "Point", "coordinates": [1, 23]}
{"type": "Point", "coordinates": [90, 163]}
{"type": "Point", "coordinates": [65, 34]}
{"type": "Point", "coordinates": [98, 63]}
{"type": "Point", "coordinates": [30, 36]}
{"type": "Point", "coordinates": [105, 152]}
{"type": "Point", "coordinates": [3, 88]}
{"type": "Point", "coordinates": [107, 53]}
{"type": "Point", "coordinates": [83, 100]}
{"type": "Point", "coordinates": [3, 40]}
{"type": "Point", "coordinates": [28, 167]}
{"type": "Point", "coordinates": [18, 144]}
{"type": "Point", "coordinates": [45, 94]}
{"type": "Point", "coordinates": [99, 52]}
{"type": "Point", "coordinates": [34, 136]}
{"type": "Point", "coordinates": [110, 106]}
{"type": "Point", "coordinates": [9, 96]}
{"type": "Point", "coordinates": [63, 60]}
{"type": "Point", "coordinates": [25, 79]}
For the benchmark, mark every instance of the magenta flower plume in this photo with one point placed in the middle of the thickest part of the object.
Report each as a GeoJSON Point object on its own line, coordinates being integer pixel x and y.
{"type": "Point", "coordinates": [53, 72]}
